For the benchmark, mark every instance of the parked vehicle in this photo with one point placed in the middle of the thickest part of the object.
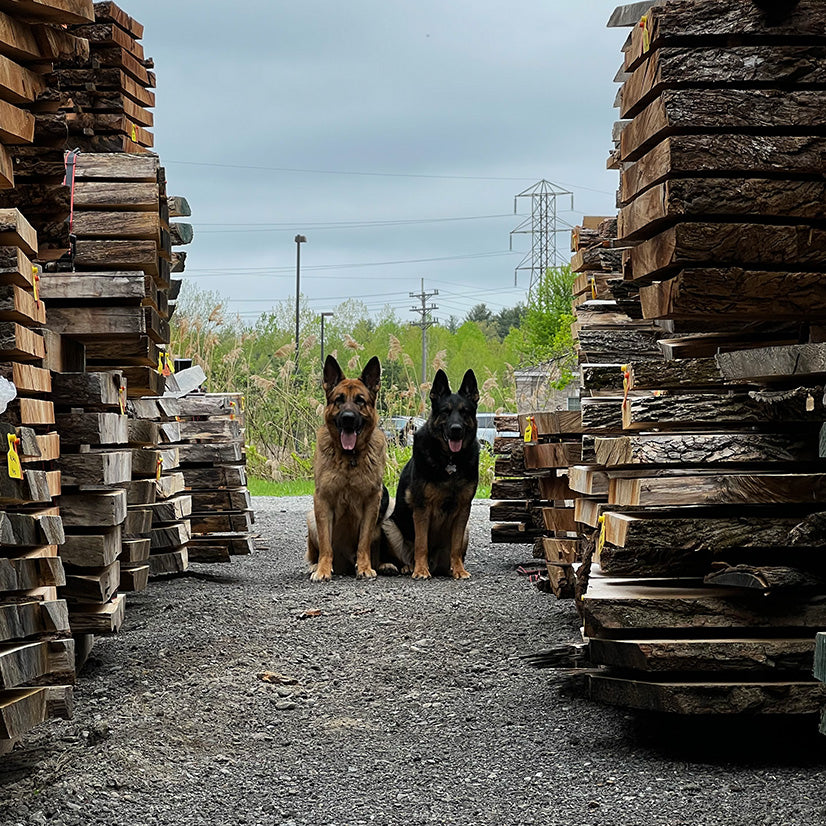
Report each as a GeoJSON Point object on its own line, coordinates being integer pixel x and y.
{"type": "Point", "coordinates": [486, 431]}
{"type": "Point", "coordinates": [399, 430]}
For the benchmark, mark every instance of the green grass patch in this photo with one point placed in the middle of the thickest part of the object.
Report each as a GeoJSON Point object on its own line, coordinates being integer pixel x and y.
{"type": "Point", "coordinates": [305, 487]}
{"type": "Point", "coordinates": [291, 487]}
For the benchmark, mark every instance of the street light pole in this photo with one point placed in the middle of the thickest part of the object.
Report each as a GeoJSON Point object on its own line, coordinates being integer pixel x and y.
{"type": "Point", "coordinates": [323, 316]}
{"type": "Point", "coordinates": [299, 240]}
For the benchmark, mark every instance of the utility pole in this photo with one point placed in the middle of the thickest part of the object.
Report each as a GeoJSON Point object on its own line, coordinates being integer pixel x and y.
{"type": "Point", "coordinates": [424, 322]}
{"type": "Point", "coordinates": [299, 240]}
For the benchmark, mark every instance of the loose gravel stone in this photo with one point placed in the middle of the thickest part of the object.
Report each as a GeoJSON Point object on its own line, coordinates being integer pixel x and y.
{"type": "Point", "coordinates": [245, 694]}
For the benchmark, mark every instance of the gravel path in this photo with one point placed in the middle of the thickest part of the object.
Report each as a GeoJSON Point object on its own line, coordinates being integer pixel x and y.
{"type": "Point", "coordinates": [411, 707]}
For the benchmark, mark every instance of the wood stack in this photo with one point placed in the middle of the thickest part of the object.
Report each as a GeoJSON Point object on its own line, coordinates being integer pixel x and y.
{"type": "Point", "coordinates": [709, 586]}
{"type": "Point", "coordinates": [212, 460]}
{"type": "Point", "coordinates": [105, 99]}
{"type": "Point", "coordinates": [95, 464]}
{"type": "Point", "coordinates": [170, 507]}
{"type": "Point", "coordinates": [36, 649]}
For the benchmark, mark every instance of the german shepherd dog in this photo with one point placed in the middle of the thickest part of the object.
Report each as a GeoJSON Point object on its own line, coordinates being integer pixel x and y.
{"type": "Point", "coordinates": [350, 499]}
{"type": "Point", "coordinates": [428, 528]}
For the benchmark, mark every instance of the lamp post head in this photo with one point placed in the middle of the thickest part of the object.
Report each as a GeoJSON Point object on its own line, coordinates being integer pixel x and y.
{"type": "Point", "coordinates": [300, 239]}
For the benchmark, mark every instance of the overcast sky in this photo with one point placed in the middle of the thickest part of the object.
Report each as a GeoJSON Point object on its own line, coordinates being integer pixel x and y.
{"type": "Point", "coordinates": [393, 135]}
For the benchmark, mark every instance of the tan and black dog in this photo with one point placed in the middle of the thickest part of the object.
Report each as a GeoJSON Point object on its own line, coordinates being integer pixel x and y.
{"type": "Point", "coordinates": [350, 499]}
{"type": "Point", "coordinates": [427, 530]}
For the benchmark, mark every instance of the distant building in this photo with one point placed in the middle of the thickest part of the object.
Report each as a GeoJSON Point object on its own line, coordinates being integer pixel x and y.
{"type": "Point", "coordinates": [535, 391]}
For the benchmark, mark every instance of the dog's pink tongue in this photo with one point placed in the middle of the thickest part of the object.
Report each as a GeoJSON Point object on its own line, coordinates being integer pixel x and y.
{"type": "Point", "coordinates": [455, 445]}
{"type": "Point", "coordinates": [348, 440]}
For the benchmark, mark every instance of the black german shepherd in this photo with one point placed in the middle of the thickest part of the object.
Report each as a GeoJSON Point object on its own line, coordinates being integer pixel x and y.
{"type": "Point", "coordinates": [428, 527]}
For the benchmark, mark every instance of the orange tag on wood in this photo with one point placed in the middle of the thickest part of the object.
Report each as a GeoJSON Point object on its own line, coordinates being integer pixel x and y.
{"type": "Point", "coordinates": [13, 458]}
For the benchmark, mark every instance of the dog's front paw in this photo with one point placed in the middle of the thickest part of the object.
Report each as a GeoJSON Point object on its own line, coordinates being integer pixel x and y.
{"type": "Point", "coordinates": [366, 573]}
{"type": "Point", "coordinates": [320, 575]}
{"type": "Point", "coordinates": [388, 569]}
{"type": "Point", "coordinates": [460, 572]}
{"type": "Point", "coordinates": [421, 573]}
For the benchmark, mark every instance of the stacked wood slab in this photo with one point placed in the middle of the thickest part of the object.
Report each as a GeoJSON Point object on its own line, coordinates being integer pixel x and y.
{"type": "Point", "coordinates": [95, 464]}
{"type": "Point", "coordinates": [37, 652]}
{"type": "Point", "coordinates": [708, 586]}
{"type": "Point", "coordinates": [536, 468]}
{"type": "Point", "coordinates": [212, 463]}
{"type": "Point", "coordinates": [36, 648]}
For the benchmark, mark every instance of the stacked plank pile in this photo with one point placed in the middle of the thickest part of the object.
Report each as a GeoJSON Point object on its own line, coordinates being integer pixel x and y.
{"type": "Point", "coordinates": [94, 464]}
{"type": "Point", "coordinates": [532, 491]}
{"type": "Point", "coordinates": [170, 507]}
{"type": "Point", "coordinates": [104, 100]}
{"type": "Point", "coordinates": [116, 300]}
{"type": "Point", "coordinates": [710, 583]}
{"type": "Point", "coordinates": [36, 649]}
{"type": "Point", "coordinates": [212, 463]}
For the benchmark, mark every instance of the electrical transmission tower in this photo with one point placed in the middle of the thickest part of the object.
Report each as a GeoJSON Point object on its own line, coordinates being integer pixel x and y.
{"type": "Point", "coordinates": [424, 322]}
{"type": "Point", "coordinates": [543, 227]}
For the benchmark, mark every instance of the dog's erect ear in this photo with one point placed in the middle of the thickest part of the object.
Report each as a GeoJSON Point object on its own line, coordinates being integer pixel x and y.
{"type": "Point", "coordinates": [440, 386]}
{"type": "Point", "coordinates": [371, 375]}
{"type": "Point", "coordinates": [332, 374]}
{"type": "Point", "coordinates": [469, 388]}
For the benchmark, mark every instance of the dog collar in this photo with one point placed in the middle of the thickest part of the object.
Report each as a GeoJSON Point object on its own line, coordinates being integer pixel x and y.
{"type": "Point", "coordinates": [450, 468]}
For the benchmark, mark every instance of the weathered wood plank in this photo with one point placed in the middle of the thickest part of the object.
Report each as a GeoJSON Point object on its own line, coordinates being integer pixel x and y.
{"type": "Point", "coordinates": [714, 697]}
{"type": "Point", "coordinates": [706, 449]}
{"type": "Point", "coordinates": [757, 111]}
{"type": "Point", "coordinates": [800, 404]}
{"type": "Point", "coordinates": [773, 363]}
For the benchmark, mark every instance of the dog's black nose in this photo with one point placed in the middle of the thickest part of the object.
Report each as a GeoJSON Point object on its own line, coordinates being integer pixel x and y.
{"type": "Point", "coordinates": [348, 420]}
{"type": "Point", "coordinates": [456, 432]}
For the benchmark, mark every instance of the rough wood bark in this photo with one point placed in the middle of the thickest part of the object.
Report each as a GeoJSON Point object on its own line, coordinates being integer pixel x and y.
{"type": "Point", "coordinates": [719, 489]}
{"type": "Point", "coordinates": [706, 449]}
{"type": "Point", "coordinates": [756, 111]}
{"type": "Point", "coordinates": [802, 404]}
{"type": "Point", "coordinates": [713, 199]}
{"type": "Point", "coordinates": [681, 156]}
{"type": "Point", "coordinates": [698, 698]}
{"type": "Point", "coordinates": [772, 363]}
{"type": "Point", "coordinates": [673, 67]}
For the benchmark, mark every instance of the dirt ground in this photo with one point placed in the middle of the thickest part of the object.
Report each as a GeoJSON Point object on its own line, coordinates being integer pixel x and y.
{"type": "Point", "coordinates": [245, 694]}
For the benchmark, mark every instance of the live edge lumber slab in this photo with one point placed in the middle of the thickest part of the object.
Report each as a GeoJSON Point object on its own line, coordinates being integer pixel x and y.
{"type": "Point", "coordinates": [673, 67]}
{"type": "Point", "coordinates": [699, 23]}
{"type": "Point", "coordinates": [619, 608]}
{"type": "Point", "coordinates": [736, 294]}
{"type": "Point", "coordinates": [761, 111]}
{"type": "Point", "coordinates": [706, 448]}
{"type": "Point", "coordinates": [20, 620]}
{"type": "Point", "coordinates": [88, 618]}
{"type": "Point", "coordinates": [87, 389]}
{"type": "Point", "coordinates": [800, 404]}
{"type": "Point", "coordinates": [735, 488]}
{"type": "Point", "coordinates": [820, 656]}
{"type": "Point", "coordinates": [787, 654]}
{"type": "Point", "coordinates": [773, 363]}
{"type": "Point", "coordinates": [731, 154]}
{"type": "Point", "coordinates": [747, 199]}
{"type": "Point", "coordinates": [712, 244]}
{"type": "Point", "coordinates": [22, 663]}
{"type": "Point", "coordinates": [712, 697]}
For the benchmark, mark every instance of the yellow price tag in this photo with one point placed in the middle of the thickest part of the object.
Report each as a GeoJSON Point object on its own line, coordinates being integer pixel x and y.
{"type": "Point", "coordinates": [646, 33]}
{"type": "Point", "coordinates": [528, 431]}
{"type": "Point", "coordinates": [601, 538]}
{"type": "Point", "coordinates": [122, 398]}
{"type": "Point", "coordinates": [36, 284]}
{"type": "Point", "coordinates": [158, 469]}
{"type": "Point", "coordinates": [134, 134]}
{"type": "Point", "coordinates": [15, 468]}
